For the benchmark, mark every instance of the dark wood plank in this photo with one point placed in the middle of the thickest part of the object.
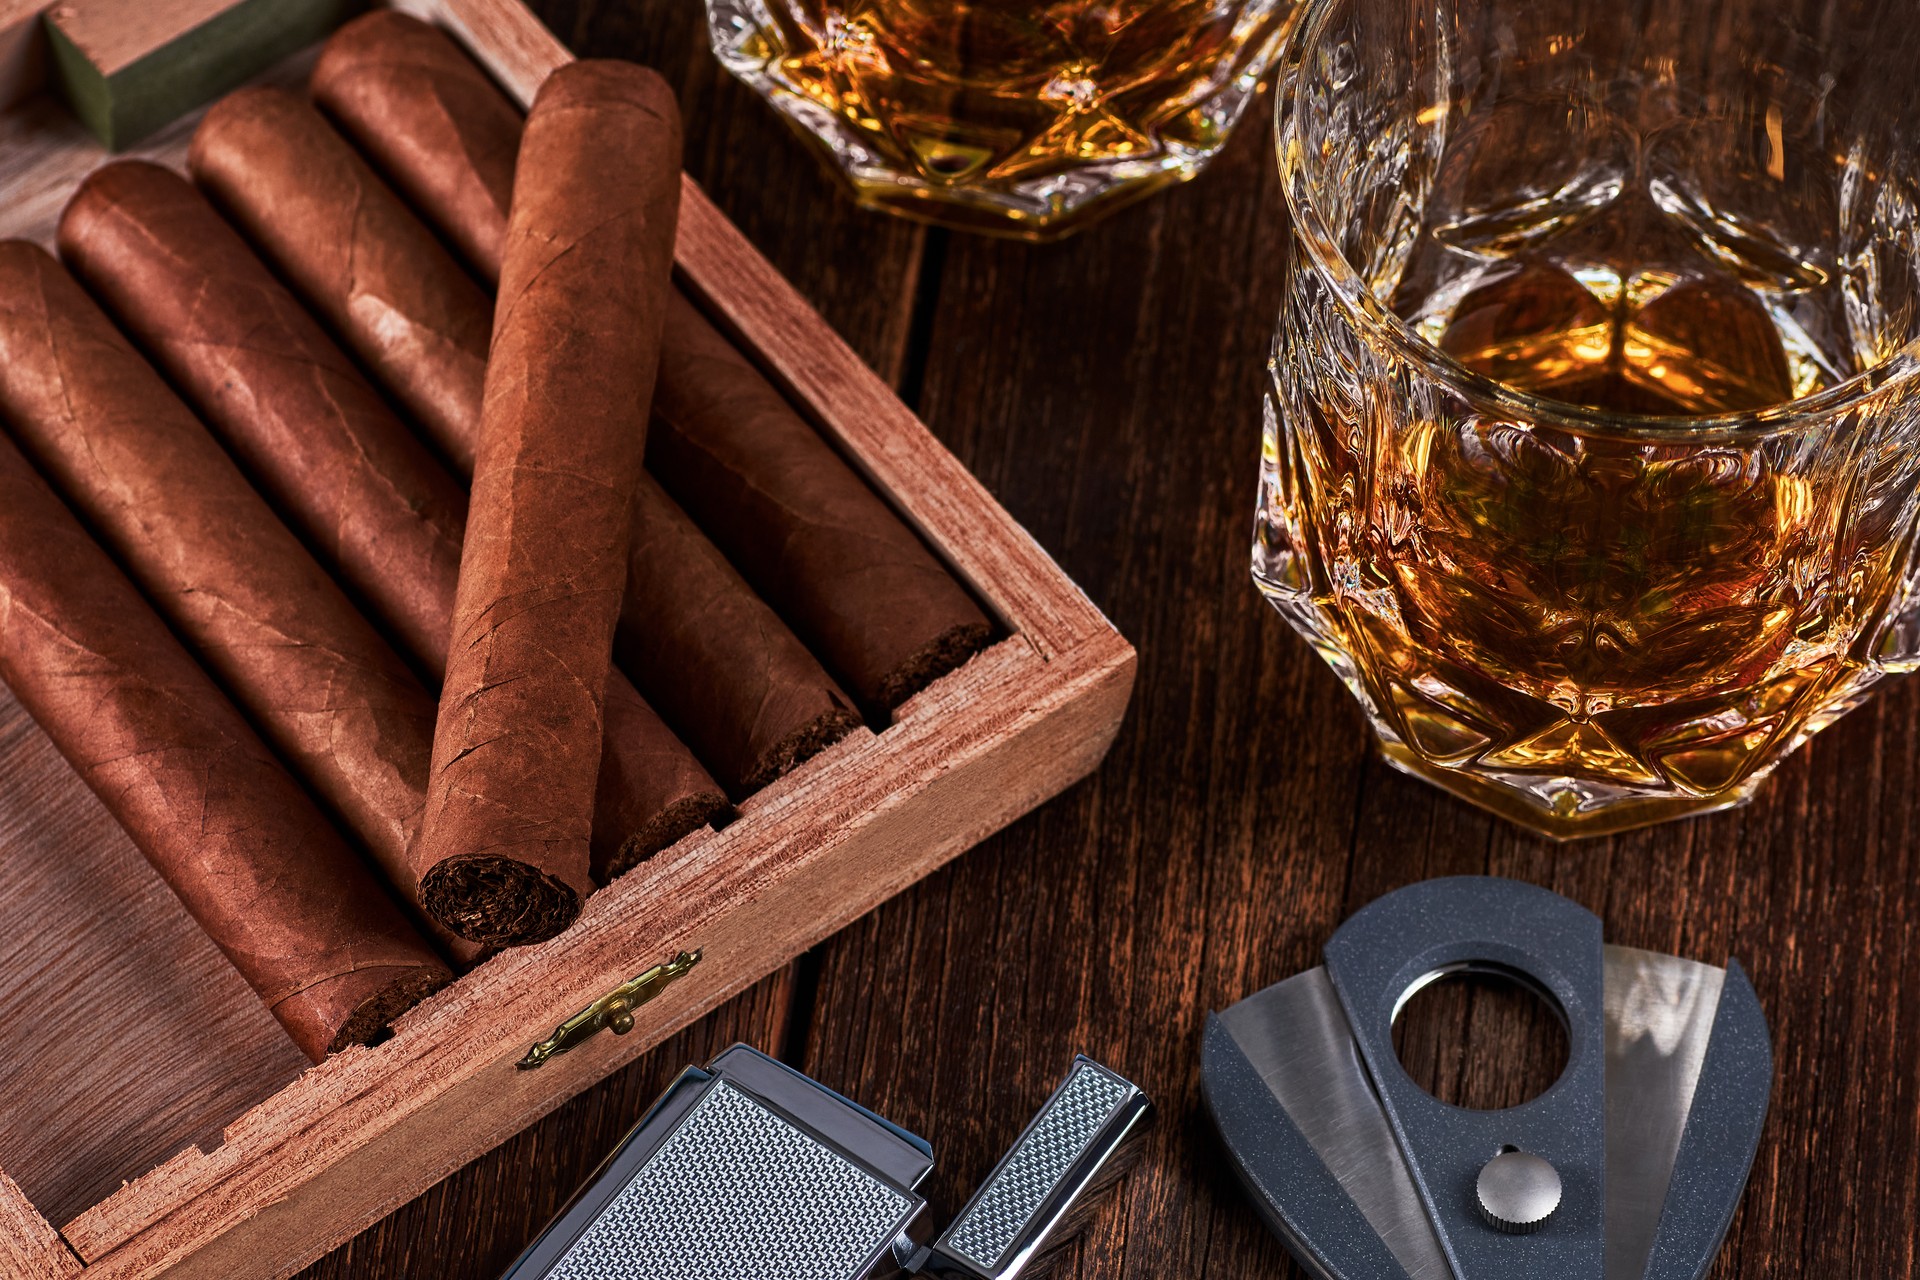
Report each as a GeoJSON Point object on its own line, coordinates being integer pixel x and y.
{"type": "Point", "coordinates": [1107, 390]}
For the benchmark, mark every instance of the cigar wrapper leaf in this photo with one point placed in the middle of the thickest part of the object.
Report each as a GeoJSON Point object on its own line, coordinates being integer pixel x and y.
{"type": "Point", "coordinates": [313, 436]}
{"type": "Point", "coordinates": [717, 662]}
{"type": "Point", "coordinates": [575, 344]}
{"type": "Point", "coordinates": [801, 525]}
{"type": "Point", "coordinates": [804, 529]}
{"type": "Point", "coordinates": [250, 856]}
{"type": "Point", "coordinates": [428, 118]}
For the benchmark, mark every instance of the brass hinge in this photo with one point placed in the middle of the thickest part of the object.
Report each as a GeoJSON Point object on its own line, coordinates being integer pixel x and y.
{"type": "Point", "coordinates": [613, 1011]}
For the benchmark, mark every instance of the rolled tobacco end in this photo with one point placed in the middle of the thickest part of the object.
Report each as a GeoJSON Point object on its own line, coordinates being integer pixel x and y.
{"type": "Point", "coordinates": [275, 886]}
{"type": "Point", "coordinates": [371, 269]}
{"type": "Point", "coordinates": [706, 651]}
{"type": "Point", "coordinates": [326, 448]}
{"type": "Point", "coordinates": [652, 778]}
{"type": "Point", "coordinates": [328, 693]}
{"type": "Point", "coordinates": [576, 339]}
{"type": "Point", "coordinates": [745, 692]}
{"type": "Point", "coordinates": [850, 578]}
{"type": "Point", "coordinates": [319, 442]}
{"type": "Point", "coordinates": [845, 572]}
{"type": "Point", "coordinates": [431, 120]}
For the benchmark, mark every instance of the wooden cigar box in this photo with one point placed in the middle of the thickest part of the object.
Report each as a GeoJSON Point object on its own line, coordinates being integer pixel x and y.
{"type": "Point", "coordinates": [155, 1121]}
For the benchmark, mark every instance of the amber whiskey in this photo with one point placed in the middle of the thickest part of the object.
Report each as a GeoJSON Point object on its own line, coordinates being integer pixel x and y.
{"type": "Point", "coordinates": [1007, 114]}
{"type": "Point", "coordinates": [1621, 602]}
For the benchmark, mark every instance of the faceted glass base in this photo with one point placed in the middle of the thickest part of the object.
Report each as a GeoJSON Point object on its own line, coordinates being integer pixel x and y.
{"type": "Point", "coordinates": [1002, 116]}
{"type": "Point", "coordinates": [1563, 776]}
{"type": "Point", "coordinates": [1563, 808]}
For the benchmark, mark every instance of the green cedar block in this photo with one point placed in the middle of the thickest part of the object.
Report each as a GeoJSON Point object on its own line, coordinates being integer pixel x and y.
{"type": "Point", "coordinates": [122, 107]}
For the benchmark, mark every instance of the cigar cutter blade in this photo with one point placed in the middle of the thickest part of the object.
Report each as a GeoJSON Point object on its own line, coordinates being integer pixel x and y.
{"type": "Point", "coordinates": [1629, 1167]}
{"type": "Point", "coordinates": [749, 1169]}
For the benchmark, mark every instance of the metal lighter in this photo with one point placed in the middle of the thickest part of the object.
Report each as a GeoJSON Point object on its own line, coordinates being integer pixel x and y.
{"type": "Point", "coordinates": [749, 1170]}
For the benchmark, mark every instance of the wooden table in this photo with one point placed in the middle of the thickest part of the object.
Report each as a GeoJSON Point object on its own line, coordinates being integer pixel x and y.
{"type": "Point", "coordinates": [1107, 390]}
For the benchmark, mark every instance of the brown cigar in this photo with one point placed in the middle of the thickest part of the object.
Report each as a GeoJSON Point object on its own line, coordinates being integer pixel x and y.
{"type": "Point", "coordinates": [427, 115]}
{"type": "Point", "coordinates": [718, 616]}
{"type": "Point", "coordinates": [722, 668]}
{"type": "Point", "coordinates": [321, 443]}
{"type": "Point", "coordinates": [854, 581]}
{"type": "Point", "coordinates": [321, 685]}
{"type": "Point", "coordinates": [804, 529]}
{"type": "Point", "coordinates": [651, 776]}
{"type": "Point", "coordinates": [273, 884]}
{"type": "Point", "coordinates": [370, 269]}
{"type": "Point", "coordinates": [290, 405]}
{"type": "Point", "coordinates": [516, 749]}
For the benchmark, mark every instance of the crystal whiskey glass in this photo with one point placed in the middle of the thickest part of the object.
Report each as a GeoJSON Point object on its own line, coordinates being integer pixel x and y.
{"type": "Point", "coordinates": [1593, 428]}
{"type": "Point", "coordinates": [1009, 116]}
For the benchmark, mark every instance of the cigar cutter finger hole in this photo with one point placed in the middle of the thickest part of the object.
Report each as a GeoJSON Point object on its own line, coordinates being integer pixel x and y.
{"type": "Point", "coordinates": [1480, 1035]}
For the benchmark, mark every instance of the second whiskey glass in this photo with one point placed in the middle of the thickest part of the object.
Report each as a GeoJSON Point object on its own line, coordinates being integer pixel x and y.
{"type": "Point", "coordinates": [1007, 116]}
{"type": "Point", "coordinates": [1593, 431]}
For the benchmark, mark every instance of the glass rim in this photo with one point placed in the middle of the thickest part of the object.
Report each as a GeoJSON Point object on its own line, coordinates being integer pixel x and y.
{"type": "Point", "coordinates": [1379, 325]}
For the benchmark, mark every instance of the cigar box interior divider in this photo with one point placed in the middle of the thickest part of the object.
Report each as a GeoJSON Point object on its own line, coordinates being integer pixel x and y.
{"type": "Point", "coordinates": [153, 1121]}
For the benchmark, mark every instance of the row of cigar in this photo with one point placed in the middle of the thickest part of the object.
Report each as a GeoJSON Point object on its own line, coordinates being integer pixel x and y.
{"type": "Point", "coordinates": [374, 507]}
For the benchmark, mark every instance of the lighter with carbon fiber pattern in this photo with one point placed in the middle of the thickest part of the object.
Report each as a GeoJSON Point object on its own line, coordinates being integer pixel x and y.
{"type": "Point", "coordinates": [749, 1170]}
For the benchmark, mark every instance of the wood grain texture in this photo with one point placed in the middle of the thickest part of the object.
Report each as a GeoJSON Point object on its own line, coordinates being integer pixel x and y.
{"type": "Point", "coordinates": [30, 1249]}
{"type": "Point", "coordinates": [1106, 390]}
{"type": "Point", "coordinates": [145, 1013]}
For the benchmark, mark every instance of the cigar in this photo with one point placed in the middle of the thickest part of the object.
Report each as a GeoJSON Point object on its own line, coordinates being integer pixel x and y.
{"type": "Point", "coordinates": [274, 885]}
{"type": "Point", "coordinates": [851, 579]}
{"type": "Point", "coordinates": [709, 655]}
{"type": "Point", "coordinates": [313, 435]}
{"type": "Point", "coordinates": [291, 407]}
{"type": "Point", "coordinates": [324, 689]}
{"type": "Point", "coordinates": [368, 267]}
{"type": "Point", "coordinates": [650, 778]}
{"type": "Point", "coordinates": [516, 749]}
{"type": "Point", "coordinates": [429, 118]}
{"type": "Point", "coordinates": [757, 676]}
{"type": "Point", "coordinates": [804, 529]}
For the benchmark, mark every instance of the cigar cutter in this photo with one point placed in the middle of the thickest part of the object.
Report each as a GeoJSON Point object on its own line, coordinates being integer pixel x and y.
{"type": "Point", "coordinates": [1628, 1167]}
{"type": "Point", "coordinates": [749, 1170]}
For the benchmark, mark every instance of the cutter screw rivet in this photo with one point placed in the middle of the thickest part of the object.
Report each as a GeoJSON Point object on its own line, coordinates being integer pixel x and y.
{"type": "Point", "coordinates": [1517, 1192]}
